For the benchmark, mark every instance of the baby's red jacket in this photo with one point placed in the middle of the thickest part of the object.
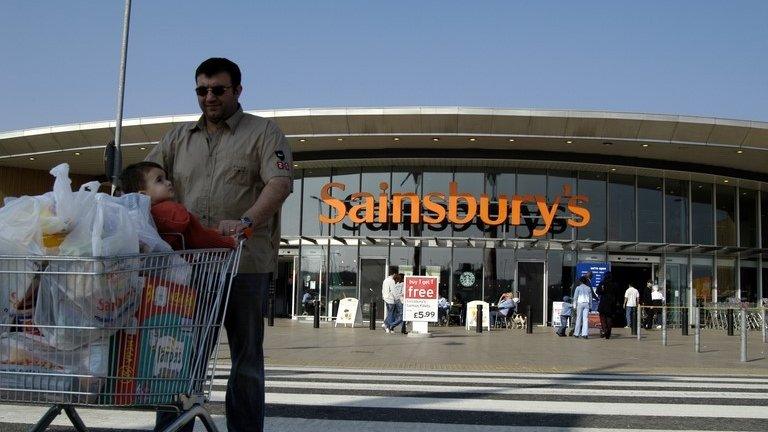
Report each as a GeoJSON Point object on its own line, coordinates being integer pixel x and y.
{"type": "Point", "coordinates": [173, 218]}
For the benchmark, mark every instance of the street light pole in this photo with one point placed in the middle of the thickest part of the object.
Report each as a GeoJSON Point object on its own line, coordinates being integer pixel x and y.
{"type": "Point", "coordinates": [118, 161]}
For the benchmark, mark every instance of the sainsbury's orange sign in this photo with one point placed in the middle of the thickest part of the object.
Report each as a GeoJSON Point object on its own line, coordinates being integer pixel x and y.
{"type": "Point", "coordinates": [455, 207]}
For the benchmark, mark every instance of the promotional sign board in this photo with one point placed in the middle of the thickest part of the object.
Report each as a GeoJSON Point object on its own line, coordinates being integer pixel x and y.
{"type": "Point", "coordinates": [471, 319]}
{"type": "Point", "coordinates": [420, 295]}
{"type": "Point", "coordinates": [349, 312]}
{"type": "Point", "coordinates": [557, 307]}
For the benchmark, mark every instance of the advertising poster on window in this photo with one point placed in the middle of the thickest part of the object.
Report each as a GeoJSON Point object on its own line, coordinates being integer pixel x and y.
{"type": "Point", "coordinates": [406, 270]}
{"type": "Point", "coordinates": [433, 270]}
{"type": "Point", "coordinates": [420, 298]}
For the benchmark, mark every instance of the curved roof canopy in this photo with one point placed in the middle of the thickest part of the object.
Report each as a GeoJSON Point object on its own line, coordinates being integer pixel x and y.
{"type": "Point", "coordinates": [703, 141]}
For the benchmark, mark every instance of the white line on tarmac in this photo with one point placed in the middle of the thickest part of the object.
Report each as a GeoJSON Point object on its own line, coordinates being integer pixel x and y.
{"type": "Point", "coordinates": [426, 373]}
{"type": "Point", "coordinates": [523, 406]}
{"type": "Point", "coordinates": [121, 419]}
{"type": "Point", "coordinates": [303, 425]}
{"type": "Point", "coordinates": [500, 382]}
{"type": "Point", "coordinates": [514, 391]}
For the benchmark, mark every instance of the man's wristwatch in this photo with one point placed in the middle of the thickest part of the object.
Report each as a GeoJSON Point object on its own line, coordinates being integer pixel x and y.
{"type": "Point", "coordinates": [245, 220]}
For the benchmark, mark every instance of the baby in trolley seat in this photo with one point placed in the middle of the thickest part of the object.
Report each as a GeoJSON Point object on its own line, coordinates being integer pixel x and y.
{"type": "Point", "coordinates": [172, 219]}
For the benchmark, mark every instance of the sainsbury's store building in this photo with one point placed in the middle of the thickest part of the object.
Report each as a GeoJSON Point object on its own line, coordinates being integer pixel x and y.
{"type": "Point", "coordinates": [490, 200]}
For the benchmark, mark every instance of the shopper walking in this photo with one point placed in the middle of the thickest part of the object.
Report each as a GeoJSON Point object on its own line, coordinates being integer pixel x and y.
{"type": "Point", "coordinates": [631, 296]}
{"type": "Point", "coordinates": [607, 306]}
{"type": "Point", "coordinates": [582, 297]}
{"type": "Point", "coordinates": [657, 300]}
{"type": "Point", "coordinates": [388, 295]}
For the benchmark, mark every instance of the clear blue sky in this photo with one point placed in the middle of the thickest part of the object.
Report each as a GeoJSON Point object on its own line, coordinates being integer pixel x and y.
{"type": "Point", "coordinates": [59, 59]}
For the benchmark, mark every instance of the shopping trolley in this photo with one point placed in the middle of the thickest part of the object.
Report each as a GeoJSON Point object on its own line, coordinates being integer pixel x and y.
{"type": "Point", "coordinates": [134, 332]}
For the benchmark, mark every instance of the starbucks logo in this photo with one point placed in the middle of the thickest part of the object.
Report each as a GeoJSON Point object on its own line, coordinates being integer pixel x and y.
{"type": "Point", "coordinates": [467, 279]}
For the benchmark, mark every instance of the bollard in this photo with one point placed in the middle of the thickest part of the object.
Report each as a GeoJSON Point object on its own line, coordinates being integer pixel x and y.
{"type": "Point", "coordinates": [529, 321]}
{"type": "Point", "coordinates": [729, 322]}
{"type": "Point", "coordinates": [664, 326]}
{"type": "Point", "coordinates": [684, 322]}
{"type": "Point", "coordinates": [372, 325]}
{"type": "Point", "coordinates": [271, 311]}
{"type": "Point", "coordinates": [479, 320]}
{"type": "Point", "coordinates": [271, 304]}
{"type": "Point", "coordinates": [637, 322]}
{"type": "Point", "coordinates": [317, 314]}
{"type": "Point", "coordinates": [697, 331]}
{"type": "Point", "coordinates": [744, 330]}
{"type": "Point", "coordinates": [765, 322]}
{"type": "Point", "coordinates": [633, 322]}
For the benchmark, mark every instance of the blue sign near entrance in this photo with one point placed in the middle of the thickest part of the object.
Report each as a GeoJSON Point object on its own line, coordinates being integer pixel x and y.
{"type": "Point", "coordinates": [598, 269]}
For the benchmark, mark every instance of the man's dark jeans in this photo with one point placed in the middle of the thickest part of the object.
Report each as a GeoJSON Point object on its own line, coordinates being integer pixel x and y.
{"type": "Point", "coordinates": [245, 333]}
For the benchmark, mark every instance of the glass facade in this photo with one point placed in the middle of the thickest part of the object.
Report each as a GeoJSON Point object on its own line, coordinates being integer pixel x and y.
{"type": "Point", "coordinates": [593, 186]}
{"type": "Point", "coordinates": [676, 211]}
{"type": "Point", "coordinates": [725, 216]}
{"type": "Point", "coordinates": [621, 208]}
{"type": "Point", "coordinates": [748, 218]}
{"type": "Point", "coordinates": [650, 209]}
{"type": "Point", "coordinates": [517, 231]}
{"type": "Point", "coordinates": [702, 220]}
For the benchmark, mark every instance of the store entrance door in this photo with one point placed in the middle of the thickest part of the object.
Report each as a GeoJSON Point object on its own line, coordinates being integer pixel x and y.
{"type": "Point", "coordinates": [625, 274]}
{"type": "Point", "coordinates": [373, 271]}
{"type": "Point", "coordinates": [284, 285]}
{"type": "Point", "coordinates": [530, 287]}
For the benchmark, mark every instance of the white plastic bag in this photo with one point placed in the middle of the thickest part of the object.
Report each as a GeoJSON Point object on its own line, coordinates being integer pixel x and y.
{"type": "Point", "coordinates": [19, 236]}
{"type": "Point", "coordinates": [68, 206]}
{"type": "Point", "coordinates": [138, 206]}
{"type": "Point", "coordinates": [99, 293]}
{"type": "Point", "coordinates": [104, 230]}
{"type": "Point", "coordinates": [103, 303]}
{"type": "Point", "coordinates": [63, 376]}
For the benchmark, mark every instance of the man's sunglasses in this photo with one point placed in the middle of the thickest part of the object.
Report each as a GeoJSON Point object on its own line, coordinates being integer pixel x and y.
{"type": "Point", "coordinates": [216, 90]}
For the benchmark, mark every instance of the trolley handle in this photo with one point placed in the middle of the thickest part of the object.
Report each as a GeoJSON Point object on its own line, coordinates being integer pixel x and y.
{"type": "Point", "coordinates": [247, 232]}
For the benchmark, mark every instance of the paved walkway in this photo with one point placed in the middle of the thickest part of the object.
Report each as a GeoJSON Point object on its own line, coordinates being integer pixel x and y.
{"type": "Point", "coordinates": [297, 343]}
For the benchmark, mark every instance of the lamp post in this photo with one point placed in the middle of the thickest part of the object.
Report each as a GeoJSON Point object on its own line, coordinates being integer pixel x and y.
{"type": "Point", "coordinates": [117, 159]}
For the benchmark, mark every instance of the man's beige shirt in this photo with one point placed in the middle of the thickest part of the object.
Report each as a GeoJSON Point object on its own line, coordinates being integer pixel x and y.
{"type": "Point", "coordinates": [220, 176]}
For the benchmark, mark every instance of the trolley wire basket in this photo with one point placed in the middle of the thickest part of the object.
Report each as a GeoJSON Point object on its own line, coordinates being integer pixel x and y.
{"type": "Point", "coordinates": [137, 331]}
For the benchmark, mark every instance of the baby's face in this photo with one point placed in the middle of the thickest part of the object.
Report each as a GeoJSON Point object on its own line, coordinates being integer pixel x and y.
{"type": "Point", "coordinates": [157, 187]}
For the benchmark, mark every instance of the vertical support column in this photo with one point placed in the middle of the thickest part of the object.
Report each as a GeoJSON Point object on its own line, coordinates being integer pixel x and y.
{"type": "Point", "coordinates": [697, 330]}
{"type": "Point", "coordinates": [664, 325]}
{"type": "Point", "coordinates": [637, 320]}
{"type": "Point", "coordinates": [684, 321]}
{"type": "Point", "coordinates": [765, 323]}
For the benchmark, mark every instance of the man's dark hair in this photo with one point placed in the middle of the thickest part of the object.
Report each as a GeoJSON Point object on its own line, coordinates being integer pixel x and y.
{"type": "Point", "coordinates": [215, 65]}
{"type": "Point", "coordinates": [132, 177]}
{"type": "Point", "coordinates": [585, 280]}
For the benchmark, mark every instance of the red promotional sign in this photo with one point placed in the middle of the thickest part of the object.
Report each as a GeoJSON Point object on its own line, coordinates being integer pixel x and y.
{"type": "Point", "coordinates": [420, 295]}
{"type": "Point", "coordinates": [421, 287]}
